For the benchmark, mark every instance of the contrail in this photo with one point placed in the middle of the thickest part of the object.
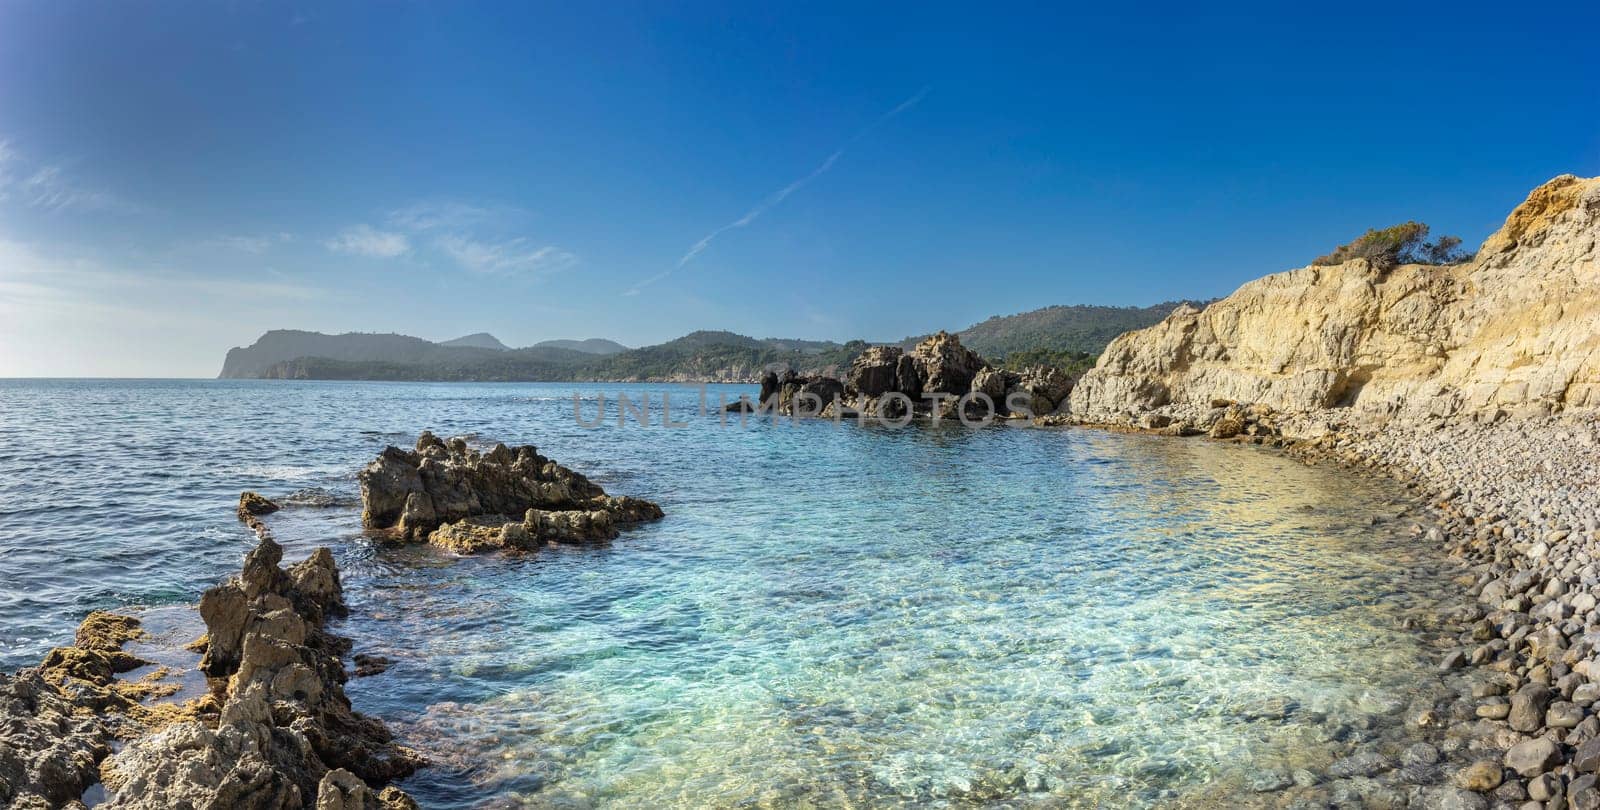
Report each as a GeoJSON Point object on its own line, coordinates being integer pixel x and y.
{"type": "Point", "coordinates": [778, 196]}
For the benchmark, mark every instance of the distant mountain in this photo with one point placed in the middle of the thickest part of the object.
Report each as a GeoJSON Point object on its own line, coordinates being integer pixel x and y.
{"type": "Point", "coordinates": [590, 346]}
{"type": "Point", "coordinates": [697, 356]}
{"type": "Point", "coordinates": [724, 356]}
{"type": "Point", "coordinates": [280, 345]}
{"type": "Point", "coordinates": [1065, 336]}
{"type": "Point", "coordinates": [477, 340]}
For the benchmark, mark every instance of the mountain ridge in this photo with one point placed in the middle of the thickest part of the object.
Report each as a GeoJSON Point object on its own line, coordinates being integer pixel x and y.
{"type": "Point", "coordinates": [1060, 335]}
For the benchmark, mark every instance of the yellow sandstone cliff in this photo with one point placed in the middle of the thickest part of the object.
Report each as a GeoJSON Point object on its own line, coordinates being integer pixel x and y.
{"type": "Point", "coordinates": [1517, 328]}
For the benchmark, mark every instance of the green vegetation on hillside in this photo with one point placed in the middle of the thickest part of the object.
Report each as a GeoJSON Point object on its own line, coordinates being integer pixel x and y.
{"type": "Point", "coordinates": [1073, 363]}
{"type": "Point", "coordinates": [1059, 332]}
{"type": "Point", "coordinates": [696, 356]}
{"type": "Point", "coordinates": [1068, 337]}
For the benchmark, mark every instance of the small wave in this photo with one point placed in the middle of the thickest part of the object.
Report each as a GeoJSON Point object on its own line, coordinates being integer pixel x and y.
{"type": "Point", "coordinates": [284, 472]}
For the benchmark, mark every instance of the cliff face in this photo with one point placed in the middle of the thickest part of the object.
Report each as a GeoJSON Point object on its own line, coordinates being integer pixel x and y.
{"type": "Point", "coordinates": [1518, 328]}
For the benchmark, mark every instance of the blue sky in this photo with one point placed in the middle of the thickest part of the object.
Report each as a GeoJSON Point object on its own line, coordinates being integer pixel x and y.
{"type": "Point", "coordinates": [177, 178]}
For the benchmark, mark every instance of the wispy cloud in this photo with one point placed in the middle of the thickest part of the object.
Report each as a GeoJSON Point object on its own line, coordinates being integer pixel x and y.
{"type": "Point", "coordinates": [428, 216]}
{"type": "Point", "coordinates": [48, 187]}
{"type": "Point", "coordinates": [781, 194]}
{"type": "Point", "coordinates": [480, 238]}
{"type": "Point", "coordinates": [365, 240]}
{"type": "Point", "coordinates": [509, 256]}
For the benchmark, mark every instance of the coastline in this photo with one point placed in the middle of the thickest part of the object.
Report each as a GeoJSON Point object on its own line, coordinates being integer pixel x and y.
{"type": "Point", "coordinates": [1451, 739]}
{"type": "Point", "coordinates": [1516, 502]}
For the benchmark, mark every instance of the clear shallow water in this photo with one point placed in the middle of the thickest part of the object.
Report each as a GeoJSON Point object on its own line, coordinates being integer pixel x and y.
{"type": "Point", "coordinates": [828, 616]}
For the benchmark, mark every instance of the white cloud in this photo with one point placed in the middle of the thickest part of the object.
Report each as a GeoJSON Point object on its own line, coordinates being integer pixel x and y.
{"type": "Point", "coordinates": [510, 256]}
{"type": "Point", "coordinates": [48, 187]}
{"type": "Point", "coordinates": [428, 216]}
{"type": "Point", "coordinates": [365, 240]}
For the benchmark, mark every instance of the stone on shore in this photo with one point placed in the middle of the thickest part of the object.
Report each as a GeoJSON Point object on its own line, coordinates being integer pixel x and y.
{"type": "Point", "coordinates": [1533, 757]}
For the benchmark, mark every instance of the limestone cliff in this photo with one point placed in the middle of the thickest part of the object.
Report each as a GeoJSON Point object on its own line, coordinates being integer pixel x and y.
{"type": "Point", "coordinates": [1517, 328]}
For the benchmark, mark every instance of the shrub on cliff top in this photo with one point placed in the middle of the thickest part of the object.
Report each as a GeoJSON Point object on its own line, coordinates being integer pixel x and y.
{"type": "Point", "coordinates": [1406, 243]}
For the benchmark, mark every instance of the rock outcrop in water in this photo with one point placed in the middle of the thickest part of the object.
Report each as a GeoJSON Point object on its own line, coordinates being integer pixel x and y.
{"type": "Point", "coordinates": [453, 496]}
{"type": "Point", "coordinates": [275, 732]}
{"type": "Point", "coordinates": [929, 380]}
{"type": "Point", "coordinates": [1513, 329]}
{"type": "Point", "coordinates": [285, 734]}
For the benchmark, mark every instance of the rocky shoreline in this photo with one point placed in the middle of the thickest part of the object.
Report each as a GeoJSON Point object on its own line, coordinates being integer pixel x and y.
{"type": "Point", "coordinates": [275, 729]}
{"type": "Point", "coordinates": [1514, 505]}
{"type": "Point", "coordinates": [1517, 503]}
{"type": "Point", "coordinates": [1475, 386]}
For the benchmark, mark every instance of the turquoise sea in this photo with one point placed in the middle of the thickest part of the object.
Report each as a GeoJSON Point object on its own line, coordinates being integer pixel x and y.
{"type": "Point", "coordinates": [829, 616]}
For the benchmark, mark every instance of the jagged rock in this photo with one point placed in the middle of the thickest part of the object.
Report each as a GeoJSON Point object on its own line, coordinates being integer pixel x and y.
{"type": "Point", "coordinates": [285, 721]}
{"type": "Point", "coordinates": [994, 383]}
{"type": "Point", "coordinates": [343, 790]}
{"type": "Point", "coordinates": [457, 497]}
{"type": "Point", "coordinates": [1510, 330]}
{"type": "Point", "coordinates": [1041, 388]}
{"type": "Point", "coordinates": [477, 534]}
{"type": "Point", "coordinates": [875, 372]}
{"type": "Point", "coordinates": [87, 671]}
{"type": "Point", "coordinates": [945, 366]}
{"type": "Point", "coordinates": [769, 386]}
{"type": "Point", "coordinates": [909, 376]}
{"type": "Point", "coordinates": [49, 749]}
{"type": "Point", "coordinates": [827, 390]}
{"type": "Point", "coordinates": [252, 504]}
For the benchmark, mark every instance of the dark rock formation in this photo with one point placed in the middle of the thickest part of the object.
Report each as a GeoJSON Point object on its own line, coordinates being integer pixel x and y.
{"type": "Point", "coordinates": [875, 372]}
{"type": "Point", "coordinates": [946, 366]}
{"type": "Point", "coordinates": [1043, 389]}
{"type": "Point", "coordinates": [252, 504]}
{"type": "Point", "coordinates": [769, 385]}
{"type": "Point", "coordinates": [463, 500]}
{"type": "Point", "coordinates": [886, 381]}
